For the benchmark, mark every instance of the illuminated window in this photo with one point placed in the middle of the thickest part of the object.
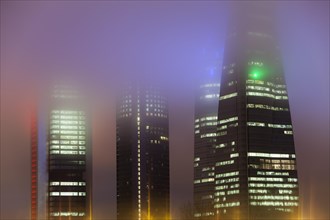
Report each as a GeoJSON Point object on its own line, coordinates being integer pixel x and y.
{"type": "Point", "coordinates": [223, 163]}
{"type": "Point", "coordinates": [256, 124]}
{"type": "Point", "coordinates": [231, 95]}
{"type": "Point", "coordinates": [223, 121]}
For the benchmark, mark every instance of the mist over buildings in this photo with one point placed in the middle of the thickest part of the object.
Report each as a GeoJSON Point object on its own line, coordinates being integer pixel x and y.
{"type": "Point", "coordinates": [102, 45]}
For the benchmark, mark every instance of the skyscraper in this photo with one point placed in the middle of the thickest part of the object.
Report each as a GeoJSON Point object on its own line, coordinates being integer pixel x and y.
{"type": "Point", "coordinates": [61, 158]}
{"type": "Point", "coordinates": [142, 154]}
{"type": "Point", "coordinates": [255, 169]}
{"type": "Point", "coordinates": [206, 115]}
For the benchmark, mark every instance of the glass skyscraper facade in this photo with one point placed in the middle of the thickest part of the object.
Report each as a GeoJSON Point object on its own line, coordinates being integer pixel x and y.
{"type": "Point", "coordinates": [206, 115]}
{"type": "Point", "coordinates": [255, 167]}
{"type": "Point", "coordinates": [143, 186]}
{"type": "Point", "coordinates": [62, 158]}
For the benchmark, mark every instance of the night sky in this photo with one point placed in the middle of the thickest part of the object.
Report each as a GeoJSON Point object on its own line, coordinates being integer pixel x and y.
{"type": "Point", "coordinates": [104, 43]}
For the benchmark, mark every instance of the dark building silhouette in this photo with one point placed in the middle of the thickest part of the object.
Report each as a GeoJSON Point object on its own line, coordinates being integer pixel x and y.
{"type": "Point", "coordinates": [143, 186]}
{"type": "Point", "coordinates": [61, 158]}
{"type": "Point", "coordinates": [206, 115]}
{"type": "Point", "coordinates": [255, 168]}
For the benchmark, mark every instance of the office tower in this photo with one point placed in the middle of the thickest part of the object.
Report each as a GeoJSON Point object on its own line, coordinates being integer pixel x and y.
{"type": "Point", "coordinates": [255, 169]}
{"type": "Point", "coordinates": [61, 158]}
{"type": "Point", "coordinates": [142, 154]}
{"type": "Point", "coordinates": [206, 114]}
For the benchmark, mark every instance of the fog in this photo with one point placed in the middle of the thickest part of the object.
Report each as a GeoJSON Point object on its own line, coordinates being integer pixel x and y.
{"type": "Point", "coordinates": [103, 44]}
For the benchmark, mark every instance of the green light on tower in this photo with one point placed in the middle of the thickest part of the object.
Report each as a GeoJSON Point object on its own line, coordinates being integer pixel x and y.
{"type": "Point", "coordinates": [256, 73]}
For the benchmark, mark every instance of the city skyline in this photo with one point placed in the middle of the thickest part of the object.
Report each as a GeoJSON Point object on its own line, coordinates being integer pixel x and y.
{"type": "Point", "coordinates": [99, 45]}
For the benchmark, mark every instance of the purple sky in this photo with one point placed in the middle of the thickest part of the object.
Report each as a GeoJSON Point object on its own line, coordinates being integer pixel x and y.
{"type": "Point", "coordinates": [104, 42]}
